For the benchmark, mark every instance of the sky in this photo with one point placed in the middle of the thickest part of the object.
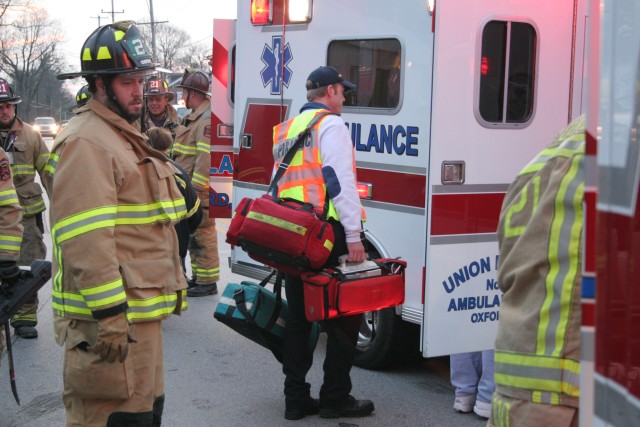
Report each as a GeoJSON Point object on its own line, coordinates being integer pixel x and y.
{"type": "Point", "coordinates": [78, 18]}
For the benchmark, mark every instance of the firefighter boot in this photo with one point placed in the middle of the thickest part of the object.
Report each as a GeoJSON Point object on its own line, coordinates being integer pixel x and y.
{"type": "Point", "coordinates": [158, 408]}
{"type": "Point", "coordinates": [130, 419]}
{"type": "Point", "coordinates": [202, 290]}
{"type": "Point", "coordinates": [26, 332]}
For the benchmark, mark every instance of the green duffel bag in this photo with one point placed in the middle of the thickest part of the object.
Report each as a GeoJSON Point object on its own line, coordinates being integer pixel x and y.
{"type": "Point", "coordinates": [255, 312]}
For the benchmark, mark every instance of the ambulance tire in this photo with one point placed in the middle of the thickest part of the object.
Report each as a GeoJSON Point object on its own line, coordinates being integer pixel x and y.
{"type": "Point", "coordinates": [394, 340]}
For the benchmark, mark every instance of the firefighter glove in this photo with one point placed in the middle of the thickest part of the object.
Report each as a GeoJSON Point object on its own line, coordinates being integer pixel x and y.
{"type": "Point", "coordinates": [114, 336]}
{"type": "Point", "coordinates": [9, 272]}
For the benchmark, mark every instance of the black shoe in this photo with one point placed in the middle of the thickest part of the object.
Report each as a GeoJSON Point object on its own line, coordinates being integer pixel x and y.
{"type": "Point", "coordinates": [202, 290]}
{"type": "Point", "coordinates": [191, 283]}
{"type": "Point", "coordinates": [312, 407]}
{"type": "Point", "coordinates": [27, 332]}
{"type": "Point", "coordinates": [351, 408]}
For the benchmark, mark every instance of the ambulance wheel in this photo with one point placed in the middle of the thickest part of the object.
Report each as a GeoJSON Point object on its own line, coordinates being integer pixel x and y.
{"type": "Point", "coordinates": [385, 339]}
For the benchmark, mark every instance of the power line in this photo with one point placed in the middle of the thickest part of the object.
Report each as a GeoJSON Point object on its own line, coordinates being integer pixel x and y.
{"type": "Point", "coordinates": [96, 17]}
{"type": "Point", "coordinates": [112, 12]}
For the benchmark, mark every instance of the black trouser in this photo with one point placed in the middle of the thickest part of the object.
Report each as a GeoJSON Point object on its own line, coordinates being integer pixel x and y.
{"type": "Point", "coordinates": [342, 334]}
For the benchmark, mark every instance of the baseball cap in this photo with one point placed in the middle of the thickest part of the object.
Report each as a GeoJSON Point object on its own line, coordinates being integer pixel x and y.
{"type": "Point", "coordinates": [325, 76]}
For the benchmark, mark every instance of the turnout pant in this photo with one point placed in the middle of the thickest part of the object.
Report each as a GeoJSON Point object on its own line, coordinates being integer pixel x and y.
{"type": "Point", "coordinates": [98, 393]}
{"type": "Point", "coordinates": [507, 411]}
{"type": "Point", "coordinates": [203, 250]}
{"type": "Point", "coordinates": [32, 248]}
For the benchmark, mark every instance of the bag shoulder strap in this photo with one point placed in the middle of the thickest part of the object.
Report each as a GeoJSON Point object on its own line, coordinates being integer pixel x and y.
{"type": "Point", "coordinates": [284, 165]}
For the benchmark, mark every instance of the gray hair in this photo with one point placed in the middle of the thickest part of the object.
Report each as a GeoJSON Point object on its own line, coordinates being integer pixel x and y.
{"type": "Point", "coordinates": [319, 92]}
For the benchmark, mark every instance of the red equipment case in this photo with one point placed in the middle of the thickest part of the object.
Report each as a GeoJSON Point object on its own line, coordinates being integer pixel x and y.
{"type": "Point", "coordinates": [332, 293]}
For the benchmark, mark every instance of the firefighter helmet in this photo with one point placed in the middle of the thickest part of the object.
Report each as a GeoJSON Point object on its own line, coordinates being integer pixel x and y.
{"type": "Point", "coordinates": [82, 96]}
{"type": "Point", "coordinates": [113, 49]}
{"type": "Point", "coordinates": [157, 86]}
{"type": "Point", "coordinates": [7, 94]}
{"type": "Point", "coordinates": [195, 80]}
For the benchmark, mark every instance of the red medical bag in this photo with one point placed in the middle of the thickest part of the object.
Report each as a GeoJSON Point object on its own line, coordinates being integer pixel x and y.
{"type": "Point", "coordinates": [333, 293]}
{"type": "Point", "coordinates": [285, 234]}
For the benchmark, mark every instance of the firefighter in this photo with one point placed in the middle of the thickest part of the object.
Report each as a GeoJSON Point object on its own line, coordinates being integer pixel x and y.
{"type": "Point", "coordinates": [10, 227]}
{"type": "Point", "coordinates": [324, 167]}
{"type": "Point", "coordinates": [117, 275]}
{"type": "Point", "coordinates": [82, 96]}
{"type": "Point", "coordinates": [160, 112]}
{"type": "Point", "coordinates": [27, 154]}
{"type": "Point", "coordinates": [161, 140]}
{"type": "Point", "coordinates": [191, 152]}
{"type": "Point", "coordinates": [537, 349]}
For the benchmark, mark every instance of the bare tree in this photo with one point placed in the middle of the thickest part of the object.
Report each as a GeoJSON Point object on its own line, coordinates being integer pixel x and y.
{"type": "Point", "coordinates": [197, 56]}
{"type": "Point", "coordinates": [7, 5]}
{"type": "Point", "coordinates": [170, 42]}
{"type": "Point", "coordinates": [29, 56]}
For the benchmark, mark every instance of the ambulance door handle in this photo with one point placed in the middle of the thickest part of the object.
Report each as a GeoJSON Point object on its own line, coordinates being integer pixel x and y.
{"type": "Point", "coordinates": [452, 172]}
{"type": "Point", "coordinates": [246, 141]}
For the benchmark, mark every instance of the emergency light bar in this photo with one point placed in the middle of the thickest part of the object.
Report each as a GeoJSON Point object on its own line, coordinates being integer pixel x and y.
{"type": "Point", "coordinates": [261, 12]}
{"type": "Point", "coordinates": [300, 11]}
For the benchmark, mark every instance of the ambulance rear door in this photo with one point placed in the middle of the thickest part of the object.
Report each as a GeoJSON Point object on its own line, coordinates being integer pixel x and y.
{"type": "Point", "coordinates": [501, 91]}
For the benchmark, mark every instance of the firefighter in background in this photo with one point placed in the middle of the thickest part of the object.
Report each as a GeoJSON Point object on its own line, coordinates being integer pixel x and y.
{"type": "Point", "coordinates": [160, 112]}
{"type": "Point", "coordinates": [192, 152]}
{"type": "Point", "coordinates": [161, 140]}
{"type": "Point", "coordinates": [537, 349]}
{"type": "Point", "coordinates": [82, 96]}
{"type": "Point", "coordinates": [114, 203]}
{"type": "Point", "coordinates": [325, 167]}
{"type": "Point", "coordinates": [10, 228]}
{"type": "Point", "coordinates": [27, 154]}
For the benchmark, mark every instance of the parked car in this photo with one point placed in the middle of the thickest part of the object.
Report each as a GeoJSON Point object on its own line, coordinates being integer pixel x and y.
{"type": "Point", "coordinates": [181, 110]}
{"type": "Point", "coordinates": [47, 126]}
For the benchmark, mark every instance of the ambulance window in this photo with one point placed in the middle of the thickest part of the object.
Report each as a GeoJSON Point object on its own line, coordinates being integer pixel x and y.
{"type": "Point", "coordinates": [506, 74]}
{"type": "Point", "coordinates": [375, 66]}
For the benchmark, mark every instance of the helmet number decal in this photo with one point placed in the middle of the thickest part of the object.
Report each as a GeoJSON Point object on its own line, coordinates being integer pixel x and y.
{"type": "Point", "coordinates": [4, 87]}
{"type": "Point", "coordinates": [138, 47]}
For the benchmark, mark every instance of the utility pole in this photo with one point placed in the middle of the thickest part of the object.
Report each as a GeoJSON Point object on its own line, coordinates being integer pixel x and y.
{"type": "Point", "coordinates": [153, 24]}
{"type": "Point", "coordinates": [112, 12]}
{"type": "Point", "coordinates": [96, 17]}
{"type": "Point", "coordinates": [153, 32]}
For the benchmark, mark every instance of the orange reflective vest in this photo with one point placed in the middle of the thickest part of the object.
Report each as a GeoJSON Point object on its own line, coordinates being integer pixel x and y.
{"type": "Point", "coordinates": [303, 179]}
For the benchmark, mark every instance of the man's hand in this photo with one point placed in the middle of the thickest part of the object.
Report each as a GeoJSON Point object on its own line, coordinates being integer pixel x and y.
{"type": "Point", "coordinates": [356, 252]}
{"type": "Point", "coordinates": [114, 337]}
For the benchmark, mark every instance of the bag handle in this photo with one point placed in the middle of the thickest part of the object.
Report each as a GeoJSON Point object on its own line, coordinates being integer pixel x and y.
{"type": "Point", "coordinates": [284, 164]}
{"type": "Point", "coordinates": [238, 296]}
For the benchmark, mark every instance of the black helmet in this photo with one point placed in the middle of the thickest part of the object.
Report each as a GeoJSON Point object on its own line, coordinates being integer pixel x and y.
{"type": "Point", "coordinates": [157, 86]}
{"type": "Point", "coordinates": [195, 80]}
{"type": "Point", "coordinates": [82, 96]}
{"type": "Point", "coordinates": [113, 49]}
{"type": "Point", "coordinates": [7, 94]}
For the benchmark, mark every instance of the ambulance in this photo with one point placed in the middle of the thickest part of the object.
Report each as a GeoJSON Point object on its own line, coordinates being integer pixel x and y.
{"type": "Point", "coordinates": [453, 99]}
{"type": "Point", "coordinates": [610, 342]}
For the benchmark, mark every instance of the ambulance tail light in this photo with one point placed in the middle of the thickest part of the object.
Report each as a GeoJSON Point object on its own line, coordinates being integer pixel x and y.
{"type": "Point", "coordinates": [261, 12]}
{"type": "Point", "coordinates": [300, 11]}
{"type": "Point", "coordinates": [365, 190]}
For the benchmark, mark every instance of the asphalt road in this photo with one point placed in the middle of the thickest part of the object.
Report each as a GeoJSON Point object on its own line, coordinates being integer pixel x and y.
{"type": "Point", "coordinates": [215, 377]}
